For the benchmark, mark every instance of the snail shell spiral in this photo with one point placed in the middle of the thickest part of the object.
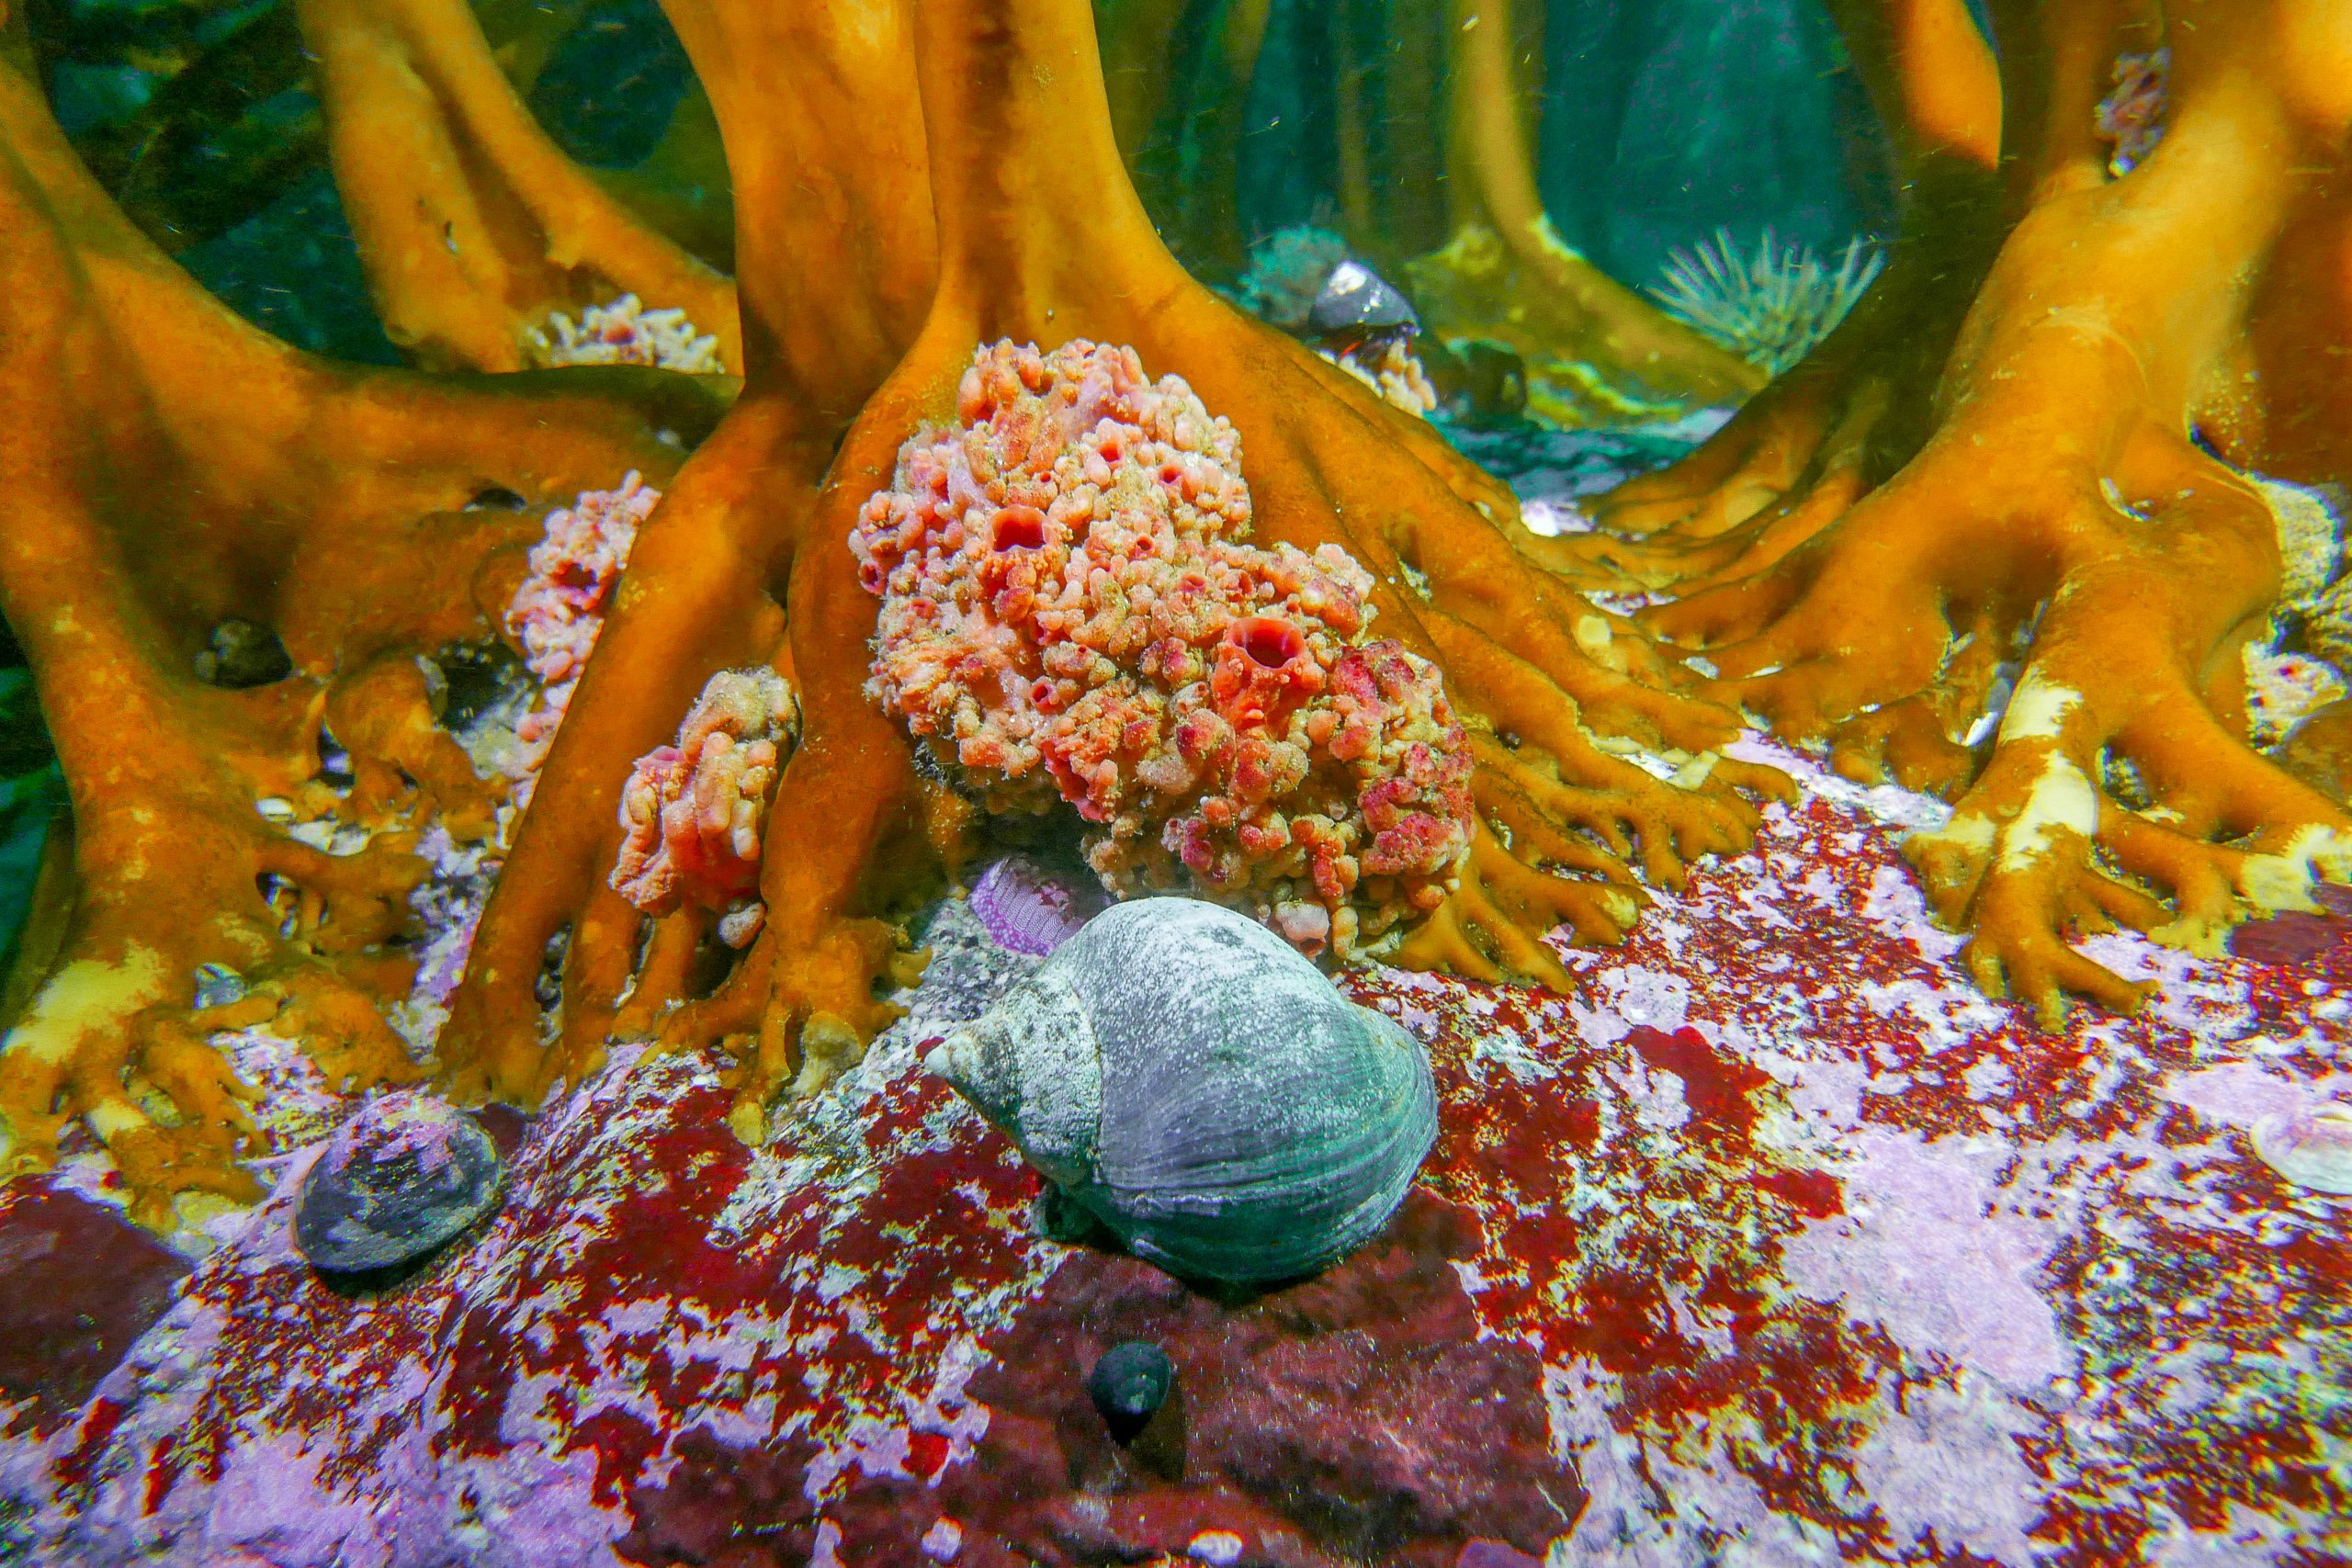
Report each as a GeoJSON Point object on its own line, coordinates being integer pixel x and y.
{"type": "Point", "coordinates": [1187, 1077]}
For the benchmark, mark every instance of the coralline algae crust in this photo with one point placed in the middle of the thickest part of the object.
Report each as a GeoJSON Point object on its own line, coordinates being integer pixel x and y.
{"type": "Point", "coordinates": [1808, 1247]}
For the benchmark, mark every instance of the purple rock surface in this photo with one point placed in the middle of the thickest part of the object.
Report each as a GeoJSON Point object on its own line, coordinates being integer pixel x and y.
{"type": "Point", "coordinates": [1776, 1240]}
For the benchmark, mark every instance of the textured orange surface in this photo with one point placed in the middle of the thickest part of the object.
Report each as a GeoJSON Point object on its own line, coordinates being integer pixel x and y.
{"type": "Point", "coordinates": [1989, 473]}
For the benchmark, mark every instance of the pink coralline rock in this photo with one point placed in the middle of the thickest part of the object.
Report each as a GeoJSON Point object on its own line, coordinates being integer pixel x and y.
{"type": "Point", "coordinates": [1643, 1301]}
{"type": "Point", "coordinates": [1072, 612]}
{"type": "Point", "coordinates": [559, 609]}
{"type": "Point", "coordinates": [693, 813]}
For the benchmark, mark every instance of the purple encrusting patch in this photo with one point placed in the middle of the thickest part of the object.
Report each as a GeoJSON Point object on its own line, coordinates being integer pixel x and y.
{"type": "Point", "coordinates": [1810, 1253]}
{"type": "Point", "coordinates": [1030, 908]}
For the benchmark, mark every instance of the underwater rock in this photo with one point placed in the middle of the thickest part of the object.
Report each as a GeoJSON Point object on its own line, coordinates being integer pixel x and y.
{"type": "Point", "coordinates": [1027, 908]}
{"type": "Point", "coordinates": [1286, 273]}
{"type": "Point", "coordinates": [855, 1335]}
{"type": "Point", "coordinates": [1129, 1384]}
{"type": "Point", "coordinates": [2318, 751]}
{"type": "Point", "coordinates": [2288, 938]}
{"type": "Point", "coordinates": [2312, 1148]}
{"type": "Point", "coordinates": [78, 1285]}
{"type": "Point", "coordinates": [1539, 464]}
{"type": "Point", "coordinates": [2283, 689]}
{"type": "Point", "coordinates": [396, 1182]}
{"type": "Point", "coordinates": [1478, 382]}
{"type": "Point", "coordinates": [1495, 1554]}
{"type": "Point", "coordinates": [1357, 302]}
{"type": "Point", "coordinates": [243, 653]}
{"type": "Point", "coordinates": [2310, 523]}
{"type": "Point", "coordinates": [1358, 1417]}
{"type": "Point", "coordinates": [1186, 1076]}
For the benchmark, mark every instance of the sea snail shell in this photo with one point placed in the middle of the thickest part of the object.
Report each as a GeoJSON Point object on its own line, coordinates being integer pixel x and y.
{"type": "Point", "coordinates": [1355, 298]}
{"type": "Point", "coordinates": [1183, 1073]}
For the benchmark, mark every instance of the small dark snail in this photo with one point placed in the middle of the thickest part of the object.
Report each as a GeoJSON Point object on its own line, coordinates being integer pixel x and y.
{"type": "Point", "coordinates": [1129, 1384]}
{"type": "Point", "coordinates": [1357, 303]}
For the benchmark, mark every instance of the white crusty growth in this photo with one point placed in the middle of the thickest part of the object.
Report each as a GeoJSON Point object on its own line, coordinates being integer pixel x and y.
{"type": "Point", "coordinates": [2038, 711]}
{"type": "Point", "coordinates": [2062, 798]}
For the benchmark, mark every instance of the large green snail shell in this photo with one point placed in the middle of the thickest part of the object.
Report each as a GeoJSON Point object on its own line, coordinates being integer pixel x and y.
{"type": "Point", "coordinates": [1197, 1084]}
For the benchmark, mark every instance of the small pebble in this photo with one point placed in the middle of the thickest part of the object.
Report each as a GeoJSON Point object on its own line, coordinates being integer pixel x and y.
{"type": "Point", "coordinates": [1129, 1384]}
{"type": "Point", "coordinates": [2311, 1149]}
{"type": "Point", "coordinates": [1219, 1548]}
{"type": "Point", "coordinates": [243, 653]}
{"type": "Point", "coordinates": [395, 1183]}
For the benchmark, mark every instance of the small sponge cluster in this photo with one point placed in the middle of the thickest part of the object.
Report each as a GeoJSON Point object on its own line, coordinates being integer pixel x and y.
{"type": "Point", "coordinates": [692, 814]}
{"type": "Point", "coordinates": [1072, 612]}
{"type": "Point", "coordinates": [1395, 372]}
{"type": "Point", "coordinates": [559, 609]}
{"type": "Point", "coordinates": [624, 333]}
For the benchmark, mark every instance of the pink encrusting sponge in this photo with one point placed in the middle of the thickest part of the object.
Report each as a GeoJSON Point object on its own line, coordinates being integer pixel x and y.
{"type": "Point", "coordinates": [691, 815]}
{"type": "Point", "coordinates": [1070, 611]}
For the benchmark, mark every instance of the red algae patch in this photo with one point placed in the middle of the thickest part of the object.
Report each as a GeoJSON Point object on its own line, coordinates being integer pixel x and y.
{"type": "Point", "coordinates": [1358, 1417]}
{"type": "Point", "coordinates": [78, 1284]}
{"type": "Point", "coordinates": [1774, 1237]}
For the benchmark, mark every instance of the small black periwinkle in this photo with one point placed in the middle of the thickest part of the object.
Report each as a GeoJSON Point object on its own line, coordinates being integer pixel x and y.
{"type": "Point", "coordinates": [1129, 1384]}
{"type": "Point", "coordinates": [1356, 301]}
